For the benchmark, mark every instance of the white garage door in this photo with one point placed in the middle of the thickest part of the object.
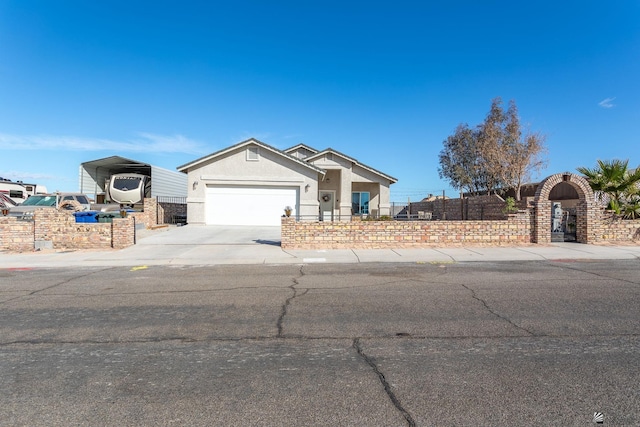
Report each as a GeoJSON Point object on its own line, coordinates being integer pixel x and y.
{"type": "Point", "coordinates": [237, 205]}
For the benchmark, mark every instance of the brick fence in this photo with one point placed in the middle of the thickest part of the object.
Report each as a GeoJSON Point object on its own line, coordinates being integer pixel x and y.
{"type": "Point", "coordinates": [149, 214]}
{"type": "Point", "coordinates": [610, 228]}
{"type": "Point", "coordinates": [516, 229]}
{"type": "Point", "coordinates": [16, 235]}
{"type": "Point", "coordinates": [53, 229]}
{"type": "Point", "coordinates": [58, 230]}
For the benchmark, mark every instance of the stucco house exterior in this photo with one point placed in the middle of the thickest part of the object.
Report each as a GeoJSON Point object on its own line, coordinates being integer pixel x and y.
{"type": "Point", "coordinates": [251, 183]}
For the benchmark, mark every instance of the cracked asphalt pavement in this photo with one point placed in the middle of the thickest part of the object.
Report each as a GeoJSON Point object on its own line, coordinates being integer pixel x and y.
{"type": "Point", "coordinates": [505, 343]}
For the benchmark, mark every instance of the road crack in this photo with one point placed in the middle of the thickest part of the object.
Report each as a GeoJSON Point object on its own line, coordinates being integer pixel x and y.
{"type": "Point", "coordinates": [285, 306]}
{"type": "Point", "coordinates": [490, 310]}
{"type": "Point", "coordinates": [387, 387]}
{"type": "Point", "coordinates": [64, 282]}
{"type": "Point", "coordinates": [67, 281]}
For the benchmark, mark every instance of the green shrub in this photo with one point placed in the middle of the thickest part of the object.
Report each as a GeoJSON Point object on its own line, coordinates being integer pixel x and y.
{"type": "Point", "coordinates": [510, 206]}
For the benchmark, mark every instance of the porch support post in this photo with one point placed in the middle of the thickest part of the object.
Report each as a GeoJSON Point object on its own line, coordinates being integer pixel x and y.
{"type": "Point", "coordinates": [345, 195]}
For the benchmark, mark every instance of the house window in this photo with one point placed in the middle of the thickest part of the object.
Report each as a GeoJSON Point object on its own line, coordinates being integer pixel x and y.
{"type": "Point", "coordinates": [252, 154]}
{"type": "Point", "coordinates": [360, 202]}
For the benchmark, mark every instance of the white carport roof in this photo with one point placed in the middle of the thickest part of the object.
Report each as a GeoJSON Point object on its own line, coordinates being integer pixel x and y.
{"type": "Point", "coordinates": [165, 182]}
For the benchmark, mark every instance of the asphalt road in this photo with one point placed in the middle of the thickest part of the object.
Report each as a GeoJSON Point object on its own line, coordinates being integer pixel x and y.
{"type": "Point", "coordinates": [511, 343]}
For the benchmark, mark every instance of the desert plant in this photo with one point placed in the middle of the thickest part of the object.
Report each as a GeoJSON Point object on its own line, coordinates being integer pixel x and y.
{"type": "Point", "coordinates": [614, 180]}
{"type": "Point", "coordinates": [509, 206]}
{"type": "Point", "coordinates": [379, 218]}
{"type": "Point", "coordinates": [631, 208]}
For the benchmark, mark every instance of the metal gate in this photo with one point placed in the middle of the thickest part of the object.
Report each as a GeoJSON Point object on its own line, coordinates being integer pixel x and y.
{"type": "Point", "coordinates": [171, 210]}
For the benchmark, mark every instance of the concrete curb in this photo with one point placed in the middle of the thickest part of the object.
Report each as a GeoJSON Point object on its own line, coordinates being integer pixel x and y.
{"type": "Point", "coordinates": [206, 255]}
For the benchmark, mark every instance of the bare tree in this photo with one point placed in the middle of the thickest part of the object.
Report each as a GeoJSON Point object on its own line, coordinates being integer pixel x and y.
{"type": "Point", "coordinates": [491, 137]}
{"type": "Point", "coordinates": [522, 156]}
{"type": "Point", "coordinates": [494, 154]}
{"type": "Point", "coordinates": [459, 160]}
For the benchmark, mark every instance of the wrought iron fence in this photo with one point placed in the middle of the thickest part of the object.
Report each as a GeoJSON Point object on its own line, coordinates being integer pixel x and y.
{"type": "Point", "coordinates": [398, 212]}
{"type": "Point", "coordinates": [171, 210]}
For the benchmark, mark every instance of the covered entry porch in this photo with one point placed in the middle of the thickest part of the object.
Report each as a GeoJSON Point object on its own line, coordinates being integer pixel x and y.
{"type": "Point", "coordinates": [341, 198]}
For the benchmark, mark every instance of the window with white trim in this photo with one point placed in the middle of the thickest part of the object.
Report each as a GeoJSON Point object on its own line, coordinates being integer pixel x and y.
{"type": "Point", "coordinates": [252, 154]}
{"type": "Point", "coordinates": [360, 202]}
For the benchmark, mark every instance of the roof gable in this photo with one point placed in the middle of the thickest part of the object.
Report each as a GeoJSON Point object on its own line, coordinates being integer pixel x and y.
{"type": "Point", "coordinates": [112, 161]}
{"type": "Point", "coordinates": [250, 141]}
{"type": "Point", "coordinates": [351, 159]}
{"type": "Point", "coordinates": [296, 147]}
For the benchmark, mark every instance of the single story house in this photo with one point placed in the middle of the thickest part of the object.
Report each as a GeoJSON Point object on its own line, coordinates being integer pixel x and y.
{"type": "Point", "coordinates": [251, 183]}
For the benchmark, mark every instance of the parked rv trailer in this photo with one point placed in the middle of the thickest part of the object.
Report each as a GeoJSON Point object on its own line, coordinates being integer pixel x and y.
{"type": "Point", "coordinates": [13, 190]}
{"type": "Point", "coordinates": [34, 189]}
{"type": "Point", "coordinates": [128, 188]}
{"type": "Point", "coordinates": [6, 202]}
{"type": "Point", "coordinates": [18, 191]}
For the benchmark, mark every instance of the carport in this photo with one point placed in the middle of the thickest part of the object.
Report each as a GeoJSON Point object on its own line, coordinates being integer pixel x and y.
{"type": "Point", "coordinates": [95, 174]}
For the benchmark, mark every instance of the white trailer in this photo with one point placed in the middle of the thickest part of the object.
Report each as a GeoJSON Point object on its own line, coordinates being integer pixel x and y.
{"type": "Point", "coordinates": [18, 191]}
{"type": "Point", "coordinates": [128, 188]}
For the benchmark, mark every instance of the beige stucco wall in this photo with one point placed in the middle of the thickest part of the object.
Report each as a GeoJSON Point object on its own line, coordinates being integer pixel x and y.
{"type": "Point", "coordinates": [233, 168]}
{"type": "Point", "coordinates": [353, 177]}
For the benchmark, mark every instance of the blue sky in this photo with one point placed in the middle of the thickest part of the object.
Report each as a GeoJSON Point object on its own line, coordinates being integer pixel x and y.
{"type": "Point", "coordinates": [166, 82]}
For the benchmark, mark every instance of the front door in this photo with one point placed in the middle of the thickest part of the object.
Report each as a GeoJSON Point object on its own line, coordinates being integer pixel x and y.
{"type": "Point", "coordinates": [327, 198]}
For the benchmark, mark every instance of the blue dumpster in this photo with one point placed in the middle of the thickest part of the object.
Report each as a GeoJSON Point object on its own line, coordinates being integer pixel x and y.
{"type": "Point", "coordinates": [86, 216]}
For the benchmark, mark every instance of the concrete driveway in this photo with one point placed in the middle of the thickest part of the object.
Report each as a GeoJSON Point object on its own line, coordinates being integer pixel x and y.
{"type": "Point", "coordinates": [212, 235]}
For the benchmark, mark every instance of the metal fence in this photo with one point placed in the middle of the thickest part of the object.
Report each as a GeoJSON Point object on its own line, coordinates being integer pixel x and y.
{"type": "Point", "coordinates": [397, 212]}
{"type": "Point", "coordinates": [171, 210]}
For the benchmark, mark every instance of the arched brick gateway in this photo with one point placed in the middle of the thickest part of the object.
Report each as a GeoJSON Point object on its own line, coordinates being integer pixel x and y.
{"type": "Point", "coordinates": [585, 209]}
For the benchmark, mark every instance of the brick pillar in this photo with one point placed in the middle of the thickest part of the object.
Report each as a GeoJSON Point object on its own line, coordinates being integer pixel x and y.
{"type": "Point", "coordinates": [542, 233]}
{"type": "Point", "coordinates": [582, 222]}
{"type": "Point", "coordinates": [592, 215]}
{"type": "Point", "coordinates": [123, 231]}
{"type": "Point", "coordinates": [151, 212]}
{"type": "Point", "coordinates": [287, 232]}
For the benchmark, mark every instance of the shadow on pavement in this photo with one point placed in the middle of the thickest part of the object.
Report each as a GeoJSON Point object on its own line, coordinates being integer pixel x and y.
{"type": "Point", "coordinates": [267, 242]}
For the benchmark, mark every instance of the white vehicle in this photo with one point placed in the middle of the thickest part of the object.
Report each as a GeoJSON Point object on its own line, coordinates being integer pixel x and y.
{"type": "Point", "coordinates": [19, 191]}
{"type": "Point", "coordinates": [128, 188]}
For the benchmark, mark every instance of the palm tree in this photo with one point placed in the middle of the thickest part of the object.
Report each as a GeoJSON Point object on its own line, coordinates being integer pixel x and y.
{"type": "Point", "coordinates": [613, 179]}
{"type": "Point", "coordinates": [631, 207]}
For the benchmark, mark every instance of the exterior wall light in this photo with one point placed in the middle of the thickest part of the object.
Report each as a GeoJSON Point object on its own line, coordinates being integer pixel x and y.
{"type": "Point", "coordinates": [195, 184]}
